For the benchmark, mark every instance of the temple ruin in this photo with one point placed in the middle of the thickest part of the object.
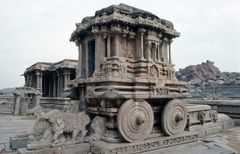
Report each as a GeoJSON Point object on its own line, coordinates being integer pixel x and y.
{"type": "Point", "coordinates": [51, 78]}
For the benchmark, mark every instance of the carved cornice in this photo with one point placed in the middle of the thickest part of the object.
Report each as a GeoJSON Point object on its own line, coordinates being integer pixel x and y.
{"type": "Point", "coordinates": [118, 19]}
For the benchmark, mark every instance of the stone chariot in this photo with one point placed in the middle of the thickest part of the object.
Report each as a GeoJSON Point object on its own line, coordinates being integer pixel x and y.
{"type": "Point", "coordinates": [126, 75]}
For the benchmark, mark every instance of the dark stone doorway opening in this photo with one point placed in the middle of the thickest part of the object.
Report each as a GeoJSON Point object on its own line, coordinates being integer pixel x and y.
{"type": "Point", "coordinates": [91, 57]}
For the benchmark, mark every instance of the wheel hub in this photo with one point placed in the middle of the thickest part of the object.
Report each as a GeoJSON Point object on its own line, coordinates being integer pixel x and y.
{"type": "Point", "coordinates": [135, 120]}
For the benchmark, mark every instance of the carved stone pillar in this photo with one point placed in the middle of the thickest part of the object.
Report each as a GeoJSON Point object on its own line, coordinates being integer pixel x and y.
{"type": "Point", "coordinates": [79, 60]}
{"type": "Point", "coordinates": [65, 80]}
{"type": "Point", "coordinates": [169, 50]}
{"type": "Point", "coordinates": [66, 76]}
{"type": "Point", "coordinates": [31, 80]}
{"type": "Point", "coordinates": [165, 51]}
{"type": "Point", "coordinates": [141, 50]}
{"type": "Point", "coordinates": [39, 80]}
{"type": "Point", "coordinates": [108, 46]}
{"type": "Point", "coordinates": [154, 48]}
{"type": "Point", "coordinates": [159, 52]}
{"type": "Point", "coordinates": [99, 50]}
{"type": "Point", "coordinates": [86, 58]}
{"type": "Point", "coordinates": [27, 80]}
{"type": "Point", "coordinates": [124, 46]}
{"type": "Point", "coordinates": [117, 45]}
{"type": "Point", "coordinates": [141, 31]}
{"type": "Point", "coordinates": [37, 99]}
{"type": "Point", "coordinates": [84, 62]}
{"type": "Point", "coordinates": [17, 99]}
{"type": "Point", "coordinates": [159, 47]}
{"type": "Point", "coordinates": [149, 47]}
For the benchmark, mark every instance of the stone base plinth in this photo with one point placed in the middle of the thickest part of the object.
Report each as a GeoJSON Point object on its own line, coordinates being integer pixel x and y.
{"type": "Point", "coordinates": [143, 146]}
{"type": "Point", "coordinates": [18, 142]}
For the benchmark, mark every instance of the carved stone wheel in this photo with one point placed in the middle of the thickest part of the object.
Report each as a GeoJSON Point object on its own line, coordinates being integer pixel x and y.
{"type": "Point", "coordinates": [174, 117]}
{"type": "Point", "coordinates": [135, 120]}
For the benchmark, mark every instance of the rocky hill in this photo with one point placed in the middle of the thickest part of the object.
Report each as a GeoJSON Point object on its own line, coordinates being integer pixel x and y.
{"type": "Point", "coordinates": [207, 74]}
{"type": "Point", "coordinates": [7, 91]}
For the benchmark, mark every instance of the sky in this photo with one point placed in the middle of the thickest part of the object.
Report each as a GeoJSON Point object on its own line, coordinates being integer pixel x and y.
{"type": "Point", "coordinates": [39, 30]}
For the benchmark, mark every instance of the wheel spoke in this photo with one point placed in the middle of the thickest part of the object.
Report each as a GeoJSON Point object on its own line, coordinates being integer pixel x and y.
{"type": "Point", "coordinates": [174, 117]}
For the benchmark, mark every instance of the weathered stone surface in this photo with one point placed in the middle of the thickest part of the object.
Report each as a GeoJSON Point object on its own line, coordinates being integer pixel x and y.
{"type": "Point", "coordinates": [40, 151]}
{"type": "Point", "coordinates": [229, 107]}
{"type": "Point", "coordinates": [18, 100]}
{"type": "Point", "coordinates": [96, 130]}
{"type": "Point", "coordinates": [2, 148]}
{"type": "Point", "coordinates": [6, 107]}
{"type": "Point", "coordinates": [18, 142]}
{"type": "Point", "coordinates": [207, 129]}
{"type": "Point", "coordinates": [138, 147]}
{"type": "Point", "coordinates": [221, 142]}
{"type": "Point", "coordinates": [25, 98]}
{"type": "Point", "coordinates": [6, 100]}
{"type": "Point", "coordinates": [57, 127]}
{"type": "Point", "coordinates": [82, 148]}
{"type": "Point", "coordinates": [126, 77]}
{"type": "Point", "coordinates": [200, 115]}
{"type": "Point", "coordinates": [225, 121]}
{"type": "Point", "coordinates": [200, 147]}
{"type": "Point", "coordinates": [12, 126]}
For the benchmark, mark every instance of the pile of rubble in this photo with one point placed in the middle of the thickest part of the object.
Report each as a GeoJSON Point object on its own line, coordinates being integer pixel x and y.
{"type": "Point", "coordinates": [206, 74]}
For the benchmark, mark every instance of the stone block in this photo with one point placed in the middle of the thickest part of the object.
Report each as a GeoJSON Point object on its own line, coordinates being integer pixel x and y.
{"type": "Point", "coordinates": [82, 148]}
{"type": "Point", "coordinates": [225, 121]}
{"type": "Point", "coordinates": [236, 122]}
{"type": "Point", "coordinates": [18, 142]}
{"type": "Point", "coordinates": [24, 107]}
{"type": "Point", "coordinates": [2, 148]}
{"type": "Point", "coordinates": [206, 129]}
{"type": "Point", "coordinates": [212, 130]}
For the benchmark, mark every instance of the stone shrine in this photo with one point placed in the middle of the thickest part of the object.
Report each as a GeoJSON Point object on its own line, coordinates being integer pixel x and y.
{"type": "Point", "coordinates": [51, 78]}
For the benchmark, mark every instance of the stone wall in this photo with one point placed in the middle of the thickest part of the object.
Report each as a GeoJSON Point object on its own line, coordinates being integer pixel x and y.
{"type": "Point", "coordinates": [55, 103]}
{"type": "Point", "coordinates": [216, 91]}
{"type": "Point", "coordinates": [6, 103]}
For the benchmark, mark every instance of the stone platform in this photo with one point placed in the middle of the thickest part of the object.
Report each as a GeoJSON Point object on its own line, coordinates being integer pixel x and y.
{"type": "Point", "coordinates": [225, 141]}
{"type": "Point", "coordinates": [143, 146]}
{"type": "Point", "coordinates": [229, 107]}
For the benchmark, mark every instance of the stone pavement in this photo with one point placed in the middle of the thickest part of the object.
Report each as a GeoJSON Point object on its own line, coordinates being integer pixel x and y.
{"type": "Point", "coordinates": [13, 125]}
{"type": "Point", "coordinates": [226, 142]}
